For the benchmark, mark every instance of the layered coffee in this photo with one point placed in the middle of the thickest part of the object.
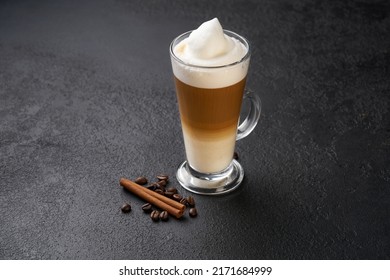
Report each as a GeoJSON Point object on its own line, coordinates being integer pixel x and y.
{"type": "Point", "coordinates": [209, 120]}
{"type": "Point", "coordinates": [210, 74]}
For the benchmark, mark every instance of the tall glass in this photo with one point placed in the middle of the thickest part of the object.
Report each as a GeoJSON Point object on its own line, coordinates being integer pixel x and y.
{"type": "Point", "coordinates": [210, 101]}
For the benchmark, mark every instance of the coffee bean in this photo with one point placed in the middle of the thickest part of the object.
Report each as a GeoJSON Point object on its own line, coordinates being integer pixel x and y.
{"type": "Point", "coordinates": [193, 212]}
{"type": "Point", "coordinates": [183, 201]}
{"type": "Point", "coordinates": [162, 183]}
{"type": "Point", "coordinates": [155, 215]}
{"type": "Point", "coordinates": [159, 191]}
{"type": "Point", "coordinates": [172, 189]}
{"type": "Point", "coordinates": [158, 185]}
{"type": "Point", "coordinates": [169, 194]}
{"type": "Point", "coordinates": [126, 208]}
{"type": "Point", "coordinates": [160, 188]}
{"type": "Point", "coordinates": [164, 216]}
{"type": "Point", "coordinates": [151, 187]}
{"type": "Point", "coordinates": [147, 207]}
{"type": "Point", "coordinates": [235, 156]}
{"type": "Point", "coordinates": [141, 181]}
{"type": "Point", "coordinates": [177, 197]}
{"type": "Point", "coordinates": [191, 201]}
{"type": "Point", "coordinates": [162, 177]}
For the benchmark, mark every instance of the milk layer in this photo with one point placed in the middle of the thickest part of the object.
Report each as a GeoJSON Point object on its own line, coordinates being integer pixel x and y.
{"type": "Point", "coordinates": [212, 153]}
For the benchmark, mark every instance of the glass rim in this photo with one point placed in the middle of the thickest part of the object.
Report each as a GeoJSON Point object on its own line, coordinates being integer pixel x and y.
{"type": "Point", "coordinates": [227, 32]}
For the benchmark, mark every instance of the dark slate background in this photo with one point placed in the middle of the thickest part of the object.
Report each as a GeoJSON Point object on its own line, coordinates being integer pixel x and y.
{"type": "Point", "coordinates": [87, 96]}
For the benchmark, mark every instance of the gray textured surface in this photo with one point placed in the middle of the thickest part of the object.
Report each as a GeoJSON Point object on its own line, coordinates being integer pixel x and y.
{"type": "Point", "coordinates": [86, 96]}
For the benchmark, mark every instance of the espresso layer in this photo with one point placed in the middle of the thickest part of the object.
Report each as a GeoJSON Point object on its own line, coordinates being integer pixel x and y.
{"type": "Point", "coordinates": [209, 109]}
{"type": "Point", "coordinates": [209, 120]}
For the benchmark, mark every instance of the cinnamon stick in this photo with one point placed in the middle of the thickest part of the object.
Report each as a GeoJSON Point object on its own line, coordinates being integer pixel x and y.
{"type": "Point", "coordinates": [167, 200]}
{"type": "Point", "coordinates": [171, 206]}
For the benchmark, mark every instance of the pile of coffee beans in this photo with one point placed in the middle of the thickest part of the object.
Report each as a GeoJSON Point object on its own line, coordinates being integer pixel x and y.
{"type": "Point", "coordinates": [161, 186]}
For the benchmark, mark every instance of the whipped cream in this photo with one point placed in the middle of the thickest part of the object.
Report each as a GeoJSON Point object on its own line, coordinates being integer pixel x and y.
{"type": "Point", "coordinates": [209, 46]}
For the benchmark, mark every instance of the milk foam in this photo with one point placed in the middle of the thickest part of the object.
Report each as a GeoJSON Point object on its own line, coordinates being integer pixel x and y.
{"type": "Point", "coordinates": [208, 46]}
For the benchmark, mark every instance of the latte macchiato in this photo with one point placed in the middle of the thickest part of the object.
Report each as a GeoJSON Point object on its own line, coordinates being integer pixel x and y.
{"type": "Point", "coordinates": [210, 67]}
{"type": "Point", "coordinates": [209, 98]}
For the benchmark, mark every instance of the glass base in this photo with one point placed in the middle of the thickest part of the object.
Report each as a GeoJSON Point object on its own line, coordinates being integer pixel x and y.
{"type": "Point", "coordinates": [213, 183]}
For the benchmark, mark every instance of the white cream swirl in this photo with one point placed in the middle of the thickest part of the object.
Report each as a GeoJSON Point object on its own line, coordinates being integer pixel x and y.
{"type": "Point", "coordinates": [209, 46]}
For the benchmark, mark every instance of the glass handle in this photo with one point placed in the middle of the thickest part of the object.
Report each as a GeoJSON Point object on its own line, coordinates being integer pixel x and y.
{"type": "Point", "coordinates": [250, 122]}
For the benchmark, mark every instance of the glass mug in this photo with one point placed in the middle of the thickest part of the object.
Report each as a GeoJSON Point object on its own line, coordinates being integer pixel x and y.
{"type": "Point", "coordinates": [209, 100]}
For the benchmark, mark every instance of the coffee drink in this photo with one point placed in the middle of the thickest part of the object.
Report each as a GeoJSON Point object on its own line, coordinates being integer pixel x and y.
{"type": "Point", "coordinates": [210, 97]}
{"type": "Point", "coordinates": [210, 67]}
